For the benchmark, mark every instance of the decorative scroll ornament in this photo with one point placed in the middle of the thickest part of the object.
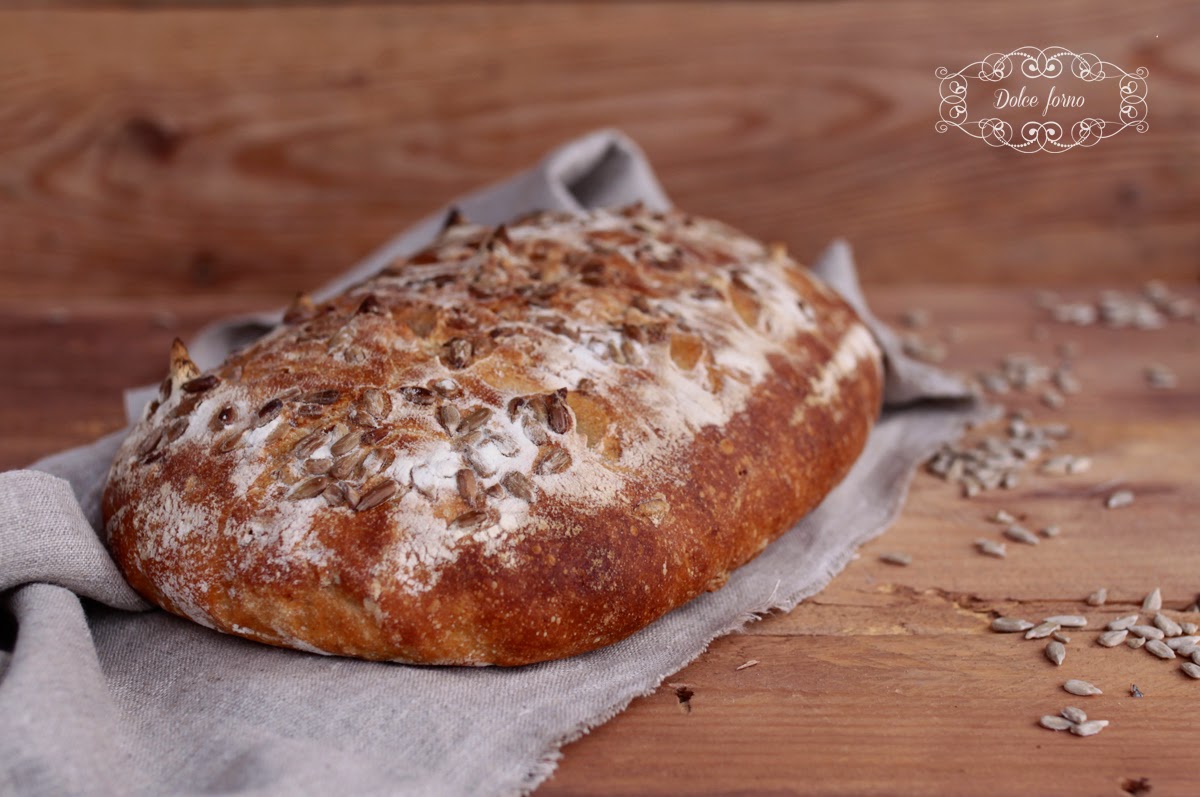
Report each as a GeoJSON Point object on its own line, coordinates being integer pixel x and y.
{"type": "Point", "coordinates": [1042, 64]}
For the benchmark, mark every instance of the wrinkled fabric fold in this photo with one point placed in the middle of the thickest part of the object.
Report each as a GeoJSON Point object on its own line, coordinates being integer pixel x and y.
{"type": "Point", "coordinates": [101, 696]}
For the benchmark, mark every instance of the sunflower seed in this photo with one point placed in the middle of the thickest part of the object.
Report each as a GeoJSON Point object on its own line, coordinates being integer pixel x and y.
{"type": "Point", "coordinates": [1134, 691]}
{"type": "Point", "coordinates": [1055, 723]}
{"type": "Point", "coordinates": [1000, 516]}
{"type": "Point", "coordinates": [305, 447]}
{"type": "Point", "coordinates": [1119, 499]}
{"type": "Point", "coordinates": [458, 353]}
{"type": "Point", "coordinates": [1191, 669]}
{"type": "Point", "coordinates": [309, 488]}
{"type": "Point", "coordinates": [1061, 637]}
{"type": "Point", "coordinates": [1056, 652]}
{"type": "Point", "coordinates": [470, 519]}
{"type": "Point", "coordinates": [896, 558]}
{"type": "Point", "coordinates": [1153, 601]}
{"type": "Point", "coordinates": [1167, 625]}
{"type": "Point", "coordinates": [1110, 639]}
{"type": "Point", "coordinates": [1196, 656]}
{"type": "Point", "coordinates": [1135, 642]}
{"type": "Point", "coordinates": [1185, 651]}
{"type": "Point", "coordinates": [346, 443]}
{"type": "Point", "coordinates": [345, 467]}
{"type": "Point", "coordinates": [1049, 531]}
{"type": "Point", "coordinates": [231, 441]}
{"type": "Point", "coordinates": [746, 665]}
{"type": "Point", "coordinates": [1081, 688]}
{"type": "Point", "coordinates": [1122, 623]}
{"type": "Point", "coordinates": [375, 404]}
{"type": "Point", "coordinates": [1090, 728]}
{"type": "Point", "coordinates": [321, 397]}
{"type": "Point", "coordinates": [556, 461]}
{"type": "Point", "coordinates": [1068, 620]}
{"type": "Point", "coordinates": [1041, 631]}
{"type": "Point", "coordinates": [1073, 714]}
{"type": "Point", "coordinates": [468, 486]}
{"type": "Point", "coordinates": [1052, 398]}
{"type": "Point", "coordinates": [1160, 377]}
{"type": "Point", "coordinates": [518, 485]}
{"type": "Point", "coordinates": [377, 494]}
{"type": "Point", "coordinates": [1189, 628]}
{"type": "Point", "coordinates": [1147, 631]}
{"type": "Point", "coordinates": [1079, 465]}
{"type": "Point", "coordinates": [557, 416]}
{"type": "Point", "coordinates": [269, 412]}
{"type": "Point", "coordinates": [415, 394]}
{"type": "Point", "coordinates": [1160, 649]}
{"type": "Point", "coordinates": [1021, 534]}
{"type": "Point", "coordinates": [474, 420]}
{"type": "Point", "coordinates": [449, 417]}
{"type": "Point", "coordinates": [1098, 597]}
{"type": "Point", "coordinates": [1008, 625]}
{"type": "Point", "coordinates": [1182, 642]}
{"type": "Point", "coordinates": [447, 388]}
{"type": "Point", "coordinates": [200, 384]}
{"type": "Point", "coordinates": [991, 548]}
{"type": "Point", "coordinates": [318, 466]}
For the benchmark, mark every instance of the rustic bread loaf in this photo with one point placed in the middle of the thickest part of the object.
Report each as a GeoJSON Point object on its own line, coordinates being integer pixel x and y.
{"type": "Point", "coordinates": [519, 444]}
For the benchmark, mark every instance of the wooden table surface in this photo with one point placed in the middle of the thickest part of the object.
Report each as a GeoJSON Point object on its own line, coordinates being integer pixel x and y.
{"type": "Point", "coordinates": [889, 680]}
{"type": "Point", "coordinates": [159, 170]}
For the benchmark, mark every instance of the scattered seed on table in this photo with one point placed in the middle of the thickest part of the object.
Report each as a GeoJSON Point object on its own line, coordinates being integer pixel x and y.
{"type": "Point", "coordinates": [1098, 597]}
{"type": "Point", "coordinates": [1160, 649]}
{"type": "Point", "coordinates": [1119, 499]}
{"type": "Point", "coordinates": [1021, 534]}
{"type": "Point", "coordinates": [1178, 643]}
{"type": "Point", "coordinates": [1079, 465]}
{"type": "Point", "coordinates": [1160, 377]}
{"type": "Point", "coordinates": [1009, 625]}
{"type": "Point", "coordinates": [1134, 691]}
{"type": "Point", "coordinates": [1068, 620]}
{"type": "Point", "coordinates": [1135, 642]}
{"type": "Point", "coordinates": [1123, 623]}
{"type": "Point", "coordinates": [1110, 639]}
{"type": "Point", "coordinates": [1189, 628]}
{"type": "Point", "coordinates": [899, 558]}
{"type": "Point", "coordinates": [748, 664]}
{"type": "Point", "coordinates": [1041, 631]}
{"type": "Point", "coordinates": [1050, 531]}
{"type": "Point", "coordinates": [992, 548]}
{"type": "Point", "coordinates": [1081, 688]}
{"type": "Point", "coordinates": [1153, 601]}
{"type": "Point", "coordinates": [1056, 652]}
{"type": "Point", "coordinates": [1055, 723]}
{"type": "Point", "coordinates": [1073, 714]}
{"type": "Point", "coordinates": [1089, 728]}
{"type": "Point", "coordinates": [1196, 656]}
{"type": "Point", "coordinates": [1052, 398]}
{"type": "Point", "coordinates": [1191, 669]}
{"type": "Point", "coordinates": [1061, 637]}
{"type": "Point", "coordinates": [1000, 516]}
{"type": "Point", "coordinates": [1167, 625]}
{"type": "Point", "coordinates": [1147, 631]}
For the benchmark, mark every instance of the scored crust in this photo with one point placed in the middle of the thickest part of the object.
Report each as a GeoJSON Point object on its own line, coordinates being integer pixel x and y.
{"type": "Point", "coordinates": [519, 444]}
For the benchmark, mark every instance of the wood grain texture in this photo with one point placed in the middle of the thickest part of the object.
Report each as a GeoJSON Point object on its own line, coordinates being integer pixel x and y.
{"type": "Point", "coordinates": [210, 151]}
{"type": "Point", "coordinates": [888, 681]}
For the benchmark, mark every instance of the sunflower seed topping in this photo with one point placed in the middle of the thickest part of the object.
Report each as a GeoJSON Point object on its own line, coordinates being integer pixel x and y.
{"type": "Point", "coordinates": [269, 412]}
{"type": "Point", "coordinates": [1089, 728]}
{"type": "Point", "coordinates": [1110, 639]}
{"type": "Point", "coordinates": [469, 520]}
{"type": "Point", "coordinates": [468, 486]}
{"type": "Point", "coordinates": [321, 397]}
{"type": "Point", "coordinates": [1056, 652]}
{"type": "Point", "coordinates": [518, 485]}
{"type": "Point", "coordinates": [1159, 648]}
{"type": "Point", "coordinates": [305, 447]}
{"type": "Point", "coordinates": [1153, 601]}
{"type": "Point", "coordinates": [376, 494]}
{"type": "Point", "coordinates": [309, 488]}
{"type": "Point", "coordinates": [1055, 723]}
{"type": "Point", "coordinates": [449, 417]}
{"type": "Point", "coordinates": [1082, 688]}
{"type": "Point", "coordinates": [375, 404]}
{"type": "Point", "coordinates": [200, 384]}
{"type": "Point", "coordinates": [556, 461]}
{"type": "Point", "coordinates": [1010, 625]}
{"type": "Point", "coordinates": [474, 420]}
{"type": "Point", "coordinates": [415, 394]}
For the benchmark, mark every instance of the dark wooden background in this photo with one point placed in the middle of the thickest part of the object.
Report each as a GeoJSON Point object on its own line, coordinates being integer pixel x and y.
{"type": "Point", "coordinates": [259, 150]}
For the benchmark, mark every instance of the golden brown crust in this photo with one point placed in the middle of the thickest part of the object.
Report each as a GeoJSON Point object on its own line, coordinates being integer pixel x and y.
{"type": "Point", "coordinates": [519, 444]}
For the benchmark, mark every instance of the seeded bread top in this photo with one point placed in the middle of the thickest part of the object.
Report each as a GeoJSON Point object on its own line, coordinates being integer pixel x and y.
{"type": "Point", "coordinates": [433, 406]}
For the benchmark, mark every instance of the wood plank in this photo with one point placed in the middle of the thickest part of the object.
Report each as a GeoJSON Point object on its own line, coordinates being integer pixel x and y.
{"type": "Point", "coordinates": [888, 680]}
{"type": "Point", "coordinates": [209, 151]}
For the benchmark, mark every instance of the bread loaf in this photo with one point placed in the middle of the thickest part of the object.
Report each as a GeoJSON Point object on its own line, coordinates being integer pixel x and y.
{"type": "Point", "coordinates": [519, 444]}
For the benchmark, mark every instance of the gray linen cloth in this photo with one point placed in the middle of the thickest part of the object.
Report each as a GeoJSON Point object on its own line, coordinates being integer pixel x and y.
{"type": "Point", "coordinates": [100, 696]}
